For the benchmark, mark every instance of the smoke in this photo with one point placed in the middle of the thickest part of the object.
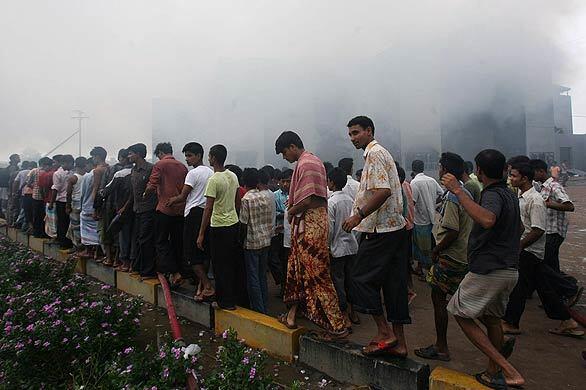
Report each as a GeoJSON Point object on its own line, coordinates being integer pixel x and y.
{"type": "Point", "coordinates": [239, 73]}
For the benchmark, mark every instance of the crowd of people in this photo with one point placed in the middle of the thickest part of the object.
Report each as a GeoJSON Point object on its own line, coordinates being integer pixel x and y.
{"type": "Point", "coordinates": [484, 240]}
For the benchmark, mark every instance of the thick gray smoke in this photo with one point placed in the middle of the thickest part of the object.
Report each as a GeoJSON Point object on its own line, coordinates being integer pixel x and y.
{"type": "Point", "coordinates": [239, 73]}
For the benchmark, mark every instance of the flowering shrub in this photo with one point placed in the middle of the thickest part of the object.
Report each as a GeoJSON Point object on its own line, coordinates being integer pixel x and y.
{"type": "Point", "coordinates": [239, 367]}
{"type": "Point", "coordinates": [166, 369]}
{"type": "Point", "coordinates": [55, 328]}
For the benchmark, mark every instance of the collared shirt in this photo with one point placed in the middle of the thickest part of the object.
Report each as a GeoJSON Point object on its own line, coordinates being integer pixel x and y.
{"type": "Point", "coordinates": [46, 183]}
{"type": "Point", "coordinates": [258, 214]}
{"type": "Point", "coordinates": [281, 198]}
{"type": "Point", "coordinates": [139, 177]}
{"type": "Point", "coordinates": [60, 184]}
{"type": "Point", "coordinates": [557, 221]}
{"type": "Point", "coordinates": [21, 180]}
{"type": "Point", "coordinates": [223, 186]}
{"type": "Point", "coordinates": [167, 177]}
{"type": "Point", "coordinates": [339, 209]}
{"type": "Point", "coordinates": [533, 215]}
{"type": "Point", "coordinates": [453, 217]}
{"type": "Point", "coordinates": [380, 172]}
{"type": "Point", "coordinates": [351, 187]}
{"type": "Point", "coordinates": [32, 180]}
{"type": "Point", "coordinates": [425, 193]}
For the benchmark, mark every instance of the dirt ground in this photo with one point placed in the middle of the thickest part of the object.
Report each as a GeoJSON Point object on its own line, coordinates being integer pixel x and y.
{"type": "Point", "coordinates": [546, 361]}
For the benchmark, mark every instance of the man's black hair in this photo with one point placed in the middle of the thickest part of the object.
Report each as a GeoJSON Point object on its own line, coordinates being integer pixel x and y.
{"type": "Point", "coordinates": [219, 152]}
{"type": "Point", "coordinates": [139, 149]}
{"type": "Point", "coordinates": [250, 177]}
{"type": "Point", "coordinates": [33, 164]}
{"type": "Point", "coordinates": [269, 171]}
{"type": "Point", "coordinates": [468, 167]}
{"type": "Point", "coordinates": [287, 174]}
{"type": "Point", "coordinates": [100, 152]}
{"type": "Point", "coordinates": [492, 163]}
{"type": "Point", "coordinates": [163, 147]}
{"type": "Point", "coordinates": [518, 159]}
{"type": "Point", "coordinates": [67, 158]}
{"type": "Point", "coordinates": [417, 166]}
{"type": "Point", "coordinates": [286, 139]}
{"type": "Point", "coordinates": [453, 164]}
{"type": "Point", "coordinates": [278, 174]}
{"type": "Point", "coordinates": [57, 158]}
{"type": "Point", "coordinates": [362, 121]}
{"type": "Point", "coordinates": [328, 166]}
{"type": "Point", "coordinates": [525, 170]}
{"type": "Point", "coordinates": [193, 147]}
{"type": "Point", "coordinates": [346, 164]}
{"type": "Point", "coordinates": [13, 157]}
{"type": "Point", "coordinates": [80, 162]}
{"type": "Point", "coordinates": [123, 153]}
{"type": "Point", "coordinates": [338, 176]}
{"type": "Point", "coordinates": [401, 173]}
{"type": "Point", "coordinates": [235, 169]}
{"type": "Point", "coordinates": [45, 161]}
{"type": "Point", "coordinates": [538, 164]}
{"type": "Point", "coordinates": [263, 177]}
{"type": "Point", "coordinates": [25, 165]}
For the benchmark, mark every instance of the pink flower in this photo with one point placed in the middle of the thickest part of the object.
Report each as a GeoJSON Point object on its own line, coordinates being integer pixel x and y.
{"type": "Point", "coordinates": [252, 373]}
{"type": "Point", "coordinates": [128, 350]}
{"type": "Point", "coordinates": [30, 328]}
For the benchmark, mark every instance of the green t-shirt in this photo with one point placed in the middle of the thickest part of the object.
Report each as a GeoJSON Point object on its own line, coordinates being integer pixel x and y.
{"type": "Point", "coordinates": [222, 186]}
{"type": "Point", "coordinates": [474, 187]}
{"type": "Point", "coordinates": [454, 217]}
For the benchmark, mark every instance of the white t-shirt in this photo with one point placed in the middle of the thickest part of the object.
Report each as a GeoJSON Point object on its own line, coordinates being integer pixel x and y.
{"type": "Point", "coordinates": [197, 179]}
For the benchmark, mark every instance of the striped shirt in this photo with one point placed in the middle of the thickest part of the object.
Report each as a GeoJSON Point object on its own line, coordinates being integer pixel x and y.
{"type": "Point", "coordinates": [557, 221]}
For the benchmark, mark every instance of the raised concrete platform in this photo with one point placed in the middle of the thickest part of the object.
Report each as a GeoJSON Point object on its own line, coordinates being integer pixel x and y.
{"type": "Point", "coordinates": [187, 307]}
{"type": "Point", "coordinates": [37, 244]}
{"type": "Point", "coordinates": [132, 284]}
{"type": "Point", "coordinates": [12, 233]}
{"type": "Point", "coordinates": [102, 273]}
{"type": "Point", "coordinates": [22, 237]}
{"type": "Point", "coordinates": [345, 363]}
{"type": "Point", "coordinates": [3, 227]}
{"type": "Point", "coordinates": [260, 331]}
{"type": "Point", "coordinates": [442, 378]}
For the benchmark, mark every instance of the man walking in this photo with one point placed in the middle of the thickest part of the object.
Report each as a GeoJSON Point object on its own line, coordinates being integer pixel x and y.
{"type": "Point", "coordinates": [493, 256]}
{"type": "Point", "coordinates": [381, 261]}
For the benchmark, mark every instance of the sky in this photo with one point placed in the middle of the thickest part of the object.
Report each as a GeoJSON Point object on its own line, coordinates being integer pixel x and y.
{"type": "Point", "coordinates": [111, 58]}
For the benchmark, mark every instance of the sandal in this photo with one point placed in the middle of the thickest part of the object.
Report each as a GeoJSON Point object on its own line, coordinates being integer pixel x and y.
{"type": "Point", "coordinates": [329, 337]}
{"type": "Point", "coordinates": [568, 332]}
{"type": "Point", "coordinates": [432, 353]}
{"type": "Point", "coordinates": [497, 382]}
{"type": "Point", "coordinates": [381, 347]}
{"type": "Point", "coordinates": [204, 297]}
{"type": "Point", "coordinates": [283, 320]}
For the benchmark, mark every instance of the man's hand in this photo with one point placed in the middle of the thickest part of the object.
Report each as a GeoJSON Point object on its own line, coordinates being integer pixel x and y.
{"type": "Point", "coordinates": [199, 242]}
{"type": "Point", "coordinates": [290, 218]}
{"type": "Point", "coordinates": [68, 208]}
{"type": "Point", "coordinates": [351, 222]}
{"type": "Point", "coordinates": [50, 206]}
{"type": "Point", "coordinates": [171, 201]}
{"type": "Point", "coordinates": [96, 216]}
{"type": "Point", "coordinates": [450, 182]}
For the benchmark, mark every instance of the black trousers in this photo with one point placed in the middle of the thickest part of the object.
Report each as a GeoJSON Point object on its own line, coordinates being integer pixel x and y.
{"type": "Point", "coordinates": [552, 250]}
{"type": "Point", "coordinates": [145, 243]}
{"type": "Point", "coordinates": [228, 265]}
{"type": "Point", "coordinates": [340, 268]}
{"type": "Point", "coordinates": [169, 242]}
{"type": "Point", "coordinates": [38, 218]}
{"type": "Point", "coordinates": [278, 255]}
{"type": "Point", "coordinates": [534, 272]}
{"type": "Point", "coordinates": [565, 285]}
{"type": "Point", "coordinates": [27, 206]}
{"type": "Point", "coordinates": [380, 265]}
{"type": "Point", "coordinates": [62, 225]}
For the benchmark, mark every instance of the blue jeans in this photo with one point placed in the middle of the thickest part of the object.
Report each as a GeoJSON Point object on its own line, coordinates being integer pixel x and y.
{"type": "Point", "coordinates": [256, 262]}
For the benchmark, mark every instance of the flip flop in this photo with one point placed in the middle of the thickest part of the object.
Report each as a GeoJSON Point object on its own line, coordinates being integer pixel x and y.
{"type": "Point", "coordinates": [283, 320]}
{"type": "Point", "coordinates": [497, 382]}
{"type": "Point", "coordinates": [381, 347]}
{"type": "Point", "coordinates": [432, 353]}
{"type": "Point", "coordinates": [574, 332]}
{"type": "Point", "coordinates": [332, 337]}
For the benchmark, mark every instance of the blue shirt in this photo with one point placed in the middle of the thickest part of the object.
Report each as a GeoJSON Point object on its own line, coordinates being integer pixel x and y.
{"type": "Point", "coordinates": [281, 205]}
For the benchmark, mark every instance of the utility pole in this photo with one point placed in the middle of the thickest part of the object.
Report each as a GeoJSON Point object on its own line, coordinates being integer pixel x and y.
{"type": "Point", "coordinates": [80, 117]}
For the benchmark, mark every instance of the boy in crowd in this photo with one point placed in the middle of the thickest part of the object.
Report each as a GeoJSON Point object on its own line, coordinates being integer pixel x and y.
{"type": "Point", "coordinates": [220, 215]}
{"type": "Point", "coordinates": [38, 206]}
{"type": "Point", "coordinates": [533, 271]}
{"type": "Point", "coordinates": [73, 202]}
{"type": "Point", "coordinates": [343, 245]}
{"type": "Point", "coordinates": [279, 249]}
{"type": "Point", "coordinates": [167, 180]}
{"type": "Point", "coordinates": [193, 195]}
{"type": "Point", "coordinates": [257, 215]}
{"type": "Point", "coordinates": [351, 187]}
{"type": "Point", "coordinates": [450, 257]}
{"type": "Point", "coordinates": [493, 256]}
{"type": "Point", "coordinates": [59, 199]}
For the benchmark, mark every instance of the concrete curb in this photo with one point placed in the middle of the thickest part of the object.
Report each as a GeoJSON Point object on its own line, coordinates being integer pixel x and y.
{"type": "Point", "coordinates": [346, 363]}
{"type": "Point", "coordinates": [187, 307]}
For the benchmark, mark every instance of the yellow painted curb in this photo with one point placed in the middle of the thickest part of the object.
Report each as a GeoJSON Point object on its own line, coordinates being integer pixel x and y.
{"type": "Point", "coordinates": [260, 331]}
{"type": "Point", "coordinates": [442, 378]}
{"type": "Point", "coordinates": [132, 284]}
{"type": "Point", "coordinates": [37, 244]}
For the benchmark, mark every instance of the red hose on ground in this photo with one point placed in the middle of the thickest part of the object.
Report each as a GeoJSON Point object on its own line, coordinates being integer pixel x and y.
{"type": "Point", "coordinates": [175, 328]}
